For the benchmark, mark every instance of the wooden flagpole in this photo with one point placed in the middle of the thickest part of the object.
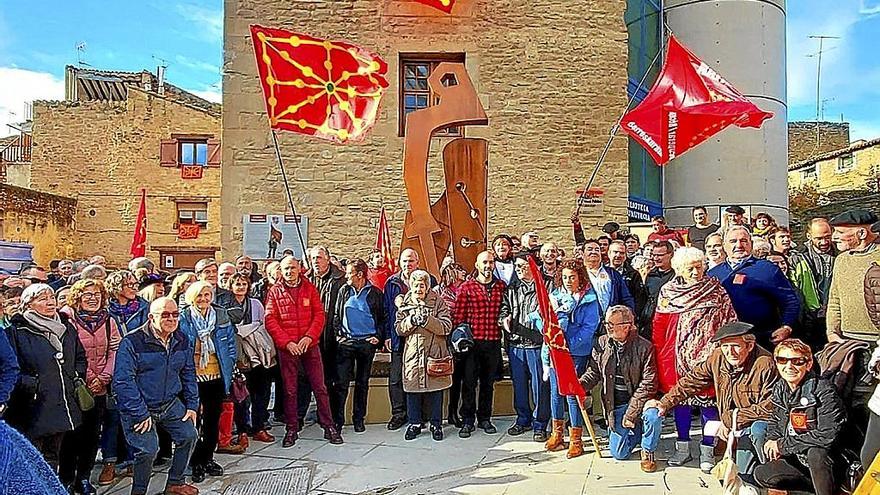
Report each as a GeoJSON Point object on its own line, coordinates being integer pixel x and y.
{"type": "Point", "coordinates": [589, 425]}
{"type": "Point", "coordinates": [296, 219]}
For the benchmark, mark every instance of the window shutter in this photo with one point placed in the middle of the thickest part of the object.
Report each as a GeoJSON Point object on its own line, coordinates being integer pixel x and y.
{"type": "Point", "coordinates": [168, 153]}
{"type": "Point", "coordinates": [213, 152]}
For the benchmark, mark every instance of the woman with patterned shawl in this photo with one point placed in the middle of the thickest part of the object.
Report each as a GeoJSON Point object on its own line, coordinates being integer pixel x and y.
{"type": "Point", "coordinates": [690, 309]}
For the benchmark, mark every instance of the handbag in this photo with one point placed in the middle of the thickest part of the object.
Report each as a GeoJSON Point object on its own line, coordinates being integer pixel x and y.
{"type": "Point", "coordinates": [440, 367]}
{"type": "Point", "coordinates": [84, 398]}
{"type": "Point", "coordinates": [870, 484]}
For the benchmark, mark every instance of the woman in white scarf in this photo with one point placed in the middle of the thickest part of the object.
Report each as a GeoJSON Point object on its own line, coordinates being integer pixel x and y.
{"type": "Point", "coordinates": [213, 338]}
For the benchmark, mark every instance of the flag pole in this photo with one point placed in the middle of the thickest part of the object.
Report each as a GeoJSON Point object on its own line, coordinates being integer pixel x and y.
{"type": "Point", "coordinates": [296, 219]}
{"type": "Point", "coordinates": [614, 129]}
{"type": "Point", "coordinates": [589, 425]}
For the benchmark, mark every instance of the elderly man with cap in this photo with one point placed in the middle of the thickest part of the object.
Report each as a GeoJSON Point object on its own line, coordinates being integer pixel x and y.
{"type": "Point", "coordinates": [735, 215]}
{"type": "Point", "coordinates": [761, 293]}
{"type": "Point", "coordinates": [848, 315]}
{"type": "Point", "coordinates": [742, 375]}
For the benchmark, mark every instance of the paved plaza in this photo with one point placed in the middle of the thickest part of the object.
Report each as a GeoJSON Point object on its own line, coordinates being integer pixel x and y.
{"type": "Point", "coordinates": [382, 462]}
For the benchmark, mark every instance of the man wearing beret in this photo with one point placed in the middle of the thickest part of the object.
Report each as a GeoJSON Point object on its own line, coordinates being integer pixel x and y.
{"type": "Point", "coordinates": [736, 216]}
{"type": "Point", "coordinates": [743, 375]}
{"type": "Point", "coordinates": [847, 315]}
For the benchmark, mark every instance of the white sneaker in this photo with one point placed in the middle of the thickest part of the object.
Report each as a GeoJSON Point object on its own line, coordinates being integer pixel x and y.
{"type": "Point", "coordinates": [707, 458]}
{"type": "Point", "coordinates": [682, 454]}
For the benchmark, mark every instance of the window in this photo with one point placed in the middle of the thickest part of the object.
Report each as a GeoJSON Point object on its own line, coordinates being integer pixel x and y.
{"type": "Point", "coordinates": [193, 152]}
{"type": "Point", "coordinates": [190, 213]}
{"type": "Point", "coordinates": [415, 94]}
{"type": "Point", "coordinates": [809, 173]}
{"type": "Point", "coordinates": [844, 163]}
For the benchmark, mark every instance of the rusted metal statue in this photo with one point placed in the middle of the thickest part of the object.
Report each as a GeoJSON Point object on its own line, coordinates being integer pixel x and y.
{"type": "Point", "coordinates": [458, 217]}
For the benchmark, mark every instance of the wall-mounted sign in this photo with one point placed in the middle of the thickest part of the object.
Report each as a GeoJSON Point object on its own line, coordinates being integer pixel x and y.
{"type": "Point", "coordinates": [592, 202]}
{"type": "Point", "coordinates": [267, 237]}
{"type": "Point", "coordinates": [642, 210]}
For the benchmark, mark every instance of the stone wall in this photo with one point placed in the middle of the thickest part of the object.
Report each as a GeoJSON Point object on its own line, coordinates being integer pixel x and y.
{"type": "Point", "coordinates": [550, 74]}
{"type": "Point", "coordinates": [104, 153]}
{"type": "Point", "coordinates": [803, 143]}
{"type": "Point", "coordinates": [46, 221]}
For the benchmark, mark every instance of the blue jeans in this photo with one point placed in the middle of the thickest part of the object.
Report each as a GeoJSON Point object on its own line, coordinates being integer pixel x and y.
{"type": "Point", "coordinates": [557, 401]}
{"type": "Point", "coordinates": [432, 401]}
{"type": "Point", "coordinates": [526, 372]}
{"type": "Point", "coordinates": [749, 446]}
{"type": "Point", "coordinates": [622, 441]}
{"type": "Point", "coordinates": [145, 446]}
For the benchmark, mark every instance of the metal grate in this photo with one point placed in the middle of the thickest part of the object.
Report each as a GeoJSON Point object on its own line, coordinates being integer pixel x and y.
{"type": "Point", "coordinates": [290, 481]}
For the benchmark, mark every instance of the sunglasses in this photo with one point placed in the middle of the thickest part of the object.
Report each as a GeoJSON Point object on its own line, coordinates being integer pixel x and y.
{"type": "Point", "coordinates": [797, 361]}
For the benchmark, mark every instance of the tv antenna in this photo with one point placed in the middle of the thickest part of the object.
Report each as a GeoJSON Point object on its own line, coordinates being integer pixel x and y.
{"type": "Point", "coordinates": [81, 53]}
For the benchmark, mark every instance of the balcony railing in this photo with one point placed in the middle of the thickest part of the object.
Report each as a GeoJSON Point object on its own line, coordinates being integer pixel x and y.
{"type": "Point", "coordinates": [19, 150]}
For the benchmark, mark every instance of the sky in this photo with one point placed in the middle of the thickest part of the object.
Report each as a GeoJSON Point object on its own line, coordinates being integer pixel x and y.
{"type": "Point", "coordinates": [38, 39]}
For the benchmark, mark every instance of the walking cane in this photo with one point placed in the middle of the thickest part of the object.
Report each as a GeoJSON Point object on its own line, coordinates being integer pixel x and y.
{"type": "Point", "coordinates": [589, 425]}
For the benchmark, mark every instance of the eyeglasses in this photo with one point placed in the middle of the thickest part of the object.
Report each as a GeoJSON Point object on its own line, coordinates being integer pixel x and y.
{"type": "Point", "coordinates": [168, 314]}
{"type": "Point", "coordinates": [797, 361]}
{"type": "Point", "coordinates": [91, 295]}
{"type": "Point", "coordinates": [622, 323]}
{"type": "Point", "coordinates": [132, 285]}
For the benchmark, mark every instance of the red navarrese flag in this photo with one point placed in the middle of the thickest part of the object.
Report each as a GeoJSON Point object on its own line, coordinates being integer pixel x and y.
{"type": "Point", "coordinates": [383, 242]}
{"type": "Point", "coordinates": [560, 356]}
{"type": "Point", "coordinates": [444, 5]}
{"type": "Point", "coordinates": [323, 88]}
{"type": "Point", "coordinates": [688, 104]}
{"type": "Point", "coordinates": [139, 239]}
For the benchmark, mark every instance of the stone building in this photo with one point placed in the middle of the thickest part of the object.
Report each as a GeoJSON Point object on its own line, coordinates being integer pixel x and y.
{"type": "Point", "coordinates": [118, 132]}
{"type": "Point", "coordinates": [553, 82]}
{"type": "Point", "coordinates": [45, 221]}
{"type": "Point", "coordinates": [855, 167]}
{"type": "Point", "coordinates": [809, 139]}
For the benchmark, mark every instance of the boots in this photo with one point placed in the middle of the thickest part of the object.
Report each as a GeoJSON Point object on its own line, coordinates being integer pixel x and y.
{"type": "Point", "coordinates": [707, 458]}
{"type": "Point", "coordinates": [576, 444]}
{"type": "Point", "coordinates": [648, 464]}
{"type": "Point", "coordinates": [682, 454]}
{"type": "Point", "coordinates": [557, 436]}
{"type": "Point", "coordinates": [224, 443]}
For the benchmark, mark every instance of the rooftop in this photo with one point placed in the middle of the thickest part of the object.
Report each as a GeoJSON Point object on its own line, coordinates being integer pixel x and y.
{"type": "Point", "coordinates": [855, 146]}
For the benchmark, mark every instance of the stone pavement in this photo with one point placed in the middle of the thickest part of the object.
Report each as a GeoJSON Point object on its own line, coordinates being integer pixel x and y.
{"type": "Point", "coordinates": [382, 462]}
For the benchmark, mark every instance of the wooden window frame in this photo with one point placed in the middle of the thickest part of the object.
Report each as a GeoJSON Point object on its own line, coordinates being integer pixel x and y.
{"type": "Point", "coordinates": [841, 168]}
{"type": "Point", "coordinates": [177, 206]}
{"type": "Point", "coordinates": [432, 59]}
{"type": "Point", "coordinates": [195, 143]}
{"type": "Point", "coordinates": [171, 150]}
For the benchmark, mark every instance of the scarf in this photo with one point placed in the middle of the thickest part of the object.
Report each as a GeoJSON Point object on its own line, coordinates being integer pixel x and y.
{"type": "Point", "coordinates": [204, 327]}
{"type": "Point", "coordinates": [702, 308]}
{"type": "Point", "coordinates": [762, 232]}
{"type": "Point", "coordinates": [50, 328]}
{"type": "Point", "coordinates": [126, 311]}
{"type": "Point", "coordinates": [92, 321]}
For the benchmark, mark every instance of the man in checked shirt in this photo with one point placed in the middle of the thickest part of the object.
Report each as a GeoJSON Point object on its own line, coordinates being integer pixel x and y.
{"type": "Point", "coordinates": [479, 304]}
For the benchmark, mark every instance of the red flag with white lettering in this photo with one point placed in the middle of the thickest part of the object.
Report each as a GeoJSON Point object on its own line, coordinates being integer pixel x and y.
{"type": "Point", "coordinates": [560, 355]}
{"type": "Point", "coordinates": [688, 104]}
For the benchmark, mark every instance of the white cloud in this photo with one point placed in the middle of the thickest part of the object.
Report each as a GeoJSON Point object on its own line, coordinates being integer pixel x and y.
{"type": "Point", "coordinates": [210, 95]}
{"type": "Point", "coordinates": [197, 64]}
{"type": "Point", "coordinates": [207, 23]}
{"type": "Point", "coordinates": [870, 7]}
{"type": "Point", "coordinates": [20, 86]}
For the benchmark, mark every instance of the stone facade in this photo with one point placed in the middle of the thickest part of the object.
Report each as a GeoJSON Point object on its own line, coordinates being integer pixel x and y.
{"type": "Point", "coordinates": [103, 153]}
{"type": "Point", "coordinates": [803, 143]}
{"type": "Point", "coordinates": [46, 221]}
{"type": "Point", "coordinates": [855, 167]}
{"type": "Point", "coordinates": [552, 80]}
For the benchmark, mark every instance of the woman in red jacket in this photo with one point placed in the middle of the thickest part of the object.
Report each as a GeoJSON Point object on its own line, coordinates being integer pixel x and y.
{"type": "Point", "coordinates": [690, 309]}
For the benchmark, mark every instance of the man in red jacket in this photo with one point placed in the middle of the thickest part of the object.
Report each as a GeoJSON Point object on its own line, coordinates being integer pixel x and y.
{"type": "Point", "coordinates": [295, 320]}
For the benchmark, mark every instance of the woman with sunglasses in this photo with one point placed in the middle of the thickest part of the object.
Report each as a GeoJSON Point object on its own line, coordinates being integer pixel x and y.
{"type": "Point", "coordinates": [99, 334]}
{"type": "Point", "coordinates": [50, 356]}
{"type": "Point", "coordinates": [129, 309]}
{"type": "Point", "coordinates": [808, 415]}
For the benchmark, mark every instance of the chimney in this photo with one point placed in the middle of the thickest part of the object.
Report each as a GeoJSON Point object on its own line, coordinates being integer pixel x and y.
{"type": "Point", "coordinates": [161, 72]}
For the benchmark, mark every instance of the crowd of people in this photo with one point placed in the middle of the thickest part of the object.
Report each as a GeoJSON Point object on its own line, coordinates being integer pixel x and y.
{"type": "Point", "coordinates": [763, 341]}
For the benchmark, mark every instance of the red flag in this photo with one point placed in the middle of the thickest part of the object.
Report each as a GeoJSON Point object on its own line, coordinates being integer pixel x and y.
{"type": "Point", "coordinates": [444, 5]}
{"type": "Point", "coordinates": [554, 338]}
{"type": "Point", "coordinates": [188, 231]}
{"type": "Point", "coordinates": [688, 104]}
{"type": "Point", "coordinates": [383, 242]}
{"type": "Point", "coordinates": [139, 240]}
{"type": "Point", "coordinates": [327, 89]}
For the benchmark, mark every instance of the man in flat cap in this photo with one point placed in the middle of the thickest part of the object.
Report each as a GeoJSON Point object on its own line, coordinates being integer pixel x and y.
{"type": "Point", "coordinates": [743, 375]}
{"type": "Point", "coordinates": [735, 215]}
{"type": "Point", "coordinates": [847, 315]}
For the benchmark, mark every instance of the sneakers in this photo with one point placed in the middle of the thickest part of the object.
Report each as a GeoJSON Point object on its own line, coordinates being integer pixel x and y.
{"type": "Point", "coordinates": [707, 458]}
{"type": "Point", "coordinates": [359, 427]}
{"type": "Point", "coordinates": [465, 431]}
{"type": "Point", "coordinates": [290, 439]}
{"type": "Point", "coordinates": [488, 427]}
{"type": "Point", "coordinates": [412, 431]}
{"type": "Point", "coordinates": [263, 436]}
{"type": "Point", "coordinates": [108, 474]}
{"type": "Point", "coordinates": [648, 464]}
{"type": "Point", "coordinates": [396, 423]}
{"type": "Point", "coordinates": [213, 469]}
{"type": "Point", "coordinates": [437, 432]}
{"type": "Point", "coordinates": [682, 454]}
{"type": "Point", "coordinates": [516, 430]}
{"type": "Point", "coordinates": [183, 489]}
{"type": "Point", "coordinates": [333, 435]}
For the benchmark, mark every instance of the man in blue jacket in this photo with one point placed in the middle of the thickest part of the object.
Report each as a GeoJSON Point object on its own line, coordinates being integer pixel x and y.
{"type": "Point", "coordinates": [8, 371]}
{"type": "Point", "coordinates": [760, 292]}
{"type": "Point", "coordinates": [608, 283]}
{"type": "Point", "coordinates": [155, 386]}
